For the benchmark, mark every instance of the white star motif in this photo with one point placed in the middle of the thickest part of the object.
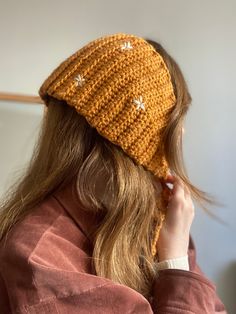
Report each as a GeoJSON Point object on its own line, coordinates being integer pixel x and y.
{"type": "Point", "coordinates": [127, 45]}
{"type": "Point", "coordinates": [139, 103]}
{"type": "Point", "coordinates": [79, 79]}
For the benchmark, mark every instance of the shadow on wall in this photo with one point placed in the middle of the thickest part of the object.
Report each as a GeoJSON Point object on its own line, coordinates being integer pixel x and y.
{"type": "Point", "coordinates": [226, 287]}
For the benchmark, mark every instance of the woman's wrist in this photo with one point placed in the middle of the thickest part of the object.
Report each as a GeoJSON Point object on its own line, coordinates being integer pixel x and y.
{"type": "Point", "coordinates": [163, 256]}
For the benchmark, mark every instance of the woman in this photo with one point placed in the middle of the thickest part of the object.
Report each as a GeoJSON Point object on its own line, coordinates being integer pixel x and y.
{"type": "Point", "coordinates": [93, 225]}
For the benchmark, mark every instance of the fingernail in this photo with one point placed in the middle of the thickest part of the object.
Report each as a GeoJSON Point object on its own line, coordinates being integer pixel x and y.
{"type": "Point", "coordinates": [170, 185]}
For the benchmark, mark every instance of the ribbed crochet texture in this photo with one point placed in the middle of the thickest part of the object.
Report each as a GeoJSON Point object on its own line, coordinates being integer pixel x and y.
{"type": "Point", "coordinates": [123, 88]}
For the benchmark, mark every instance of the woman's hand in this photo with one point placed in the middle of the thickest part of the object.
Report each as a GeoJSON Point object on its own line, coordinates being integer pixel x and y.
{"type": "Point", "coordinates": [174, 235]}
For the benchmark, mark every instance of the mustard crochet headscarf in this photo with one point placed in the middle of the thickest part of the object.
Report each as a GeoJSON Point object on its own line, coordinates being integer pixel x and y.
{"type": "Point", "coordinates": [123, 88]}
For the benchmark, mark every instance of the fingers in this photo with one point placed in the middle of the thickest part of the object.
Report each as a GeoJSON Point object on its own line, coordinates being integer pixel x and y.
{"type": "Point", "coordinates": [179, 188]}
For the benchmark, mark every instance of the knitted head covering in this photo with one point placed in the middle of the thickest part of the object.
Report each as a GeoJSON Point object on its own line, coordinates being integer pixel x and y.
{"type": "Point", "coordinates": [123, 88]}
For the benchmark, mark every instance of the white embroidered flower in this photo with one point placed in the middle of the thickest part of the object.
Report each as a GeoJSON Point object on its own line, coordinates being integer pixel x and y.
{"type": "Point", "coordinates": [80, 80]}
{"type": "Point", "coordinates": [139, 103]}
{"type": "Point", "coordinates": [127, 45]}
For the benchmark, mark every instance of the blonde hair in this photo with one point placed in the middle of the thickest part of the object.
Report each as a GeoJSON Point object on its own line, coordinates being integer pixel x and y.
{"type": "Point", "coordinates": [68, 147]}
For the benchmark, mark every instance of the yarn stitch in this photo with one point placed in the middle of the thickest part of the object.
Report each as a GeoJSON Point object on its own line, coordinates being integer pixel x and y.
{"type": "Point", "coordinates": [114, 82]}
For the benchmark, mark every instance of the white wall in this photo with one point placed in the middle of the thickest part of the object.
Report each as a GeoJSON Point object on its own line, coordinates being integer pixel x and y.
{"type": "Point", "coordinates": [36, 35]}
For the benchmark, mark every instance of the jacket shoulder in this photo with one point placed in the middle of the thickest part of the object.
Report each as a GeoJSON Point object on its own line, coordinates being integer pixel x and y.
{"type": "Point", "coordinates": [38, 251]}
{"type": "Point", "coordinates": [47, 268]}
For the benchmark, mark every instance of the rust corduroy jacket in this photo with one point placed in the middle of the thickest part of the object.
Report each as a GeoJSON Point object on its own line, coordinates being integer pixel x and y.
{"type": "Point", "coordinates": [45, 268]}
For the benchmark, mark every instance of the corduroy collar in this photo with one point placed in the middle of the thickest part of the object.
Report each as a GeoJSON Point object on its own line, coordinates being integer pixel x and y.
{"type": "Point", "coordinates": [68, 197]}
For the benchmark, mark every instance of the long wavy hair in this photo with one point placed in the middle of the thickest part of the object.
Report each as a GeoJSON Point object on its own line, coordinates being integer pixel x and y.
{"type": "Point", "coordinates": [67, 148]}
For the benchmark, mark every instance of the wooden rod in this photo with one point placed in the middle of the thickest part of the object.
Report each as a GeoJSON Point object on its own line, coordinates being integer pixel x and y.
{"type": "Point", "coordinates": [20, 98]}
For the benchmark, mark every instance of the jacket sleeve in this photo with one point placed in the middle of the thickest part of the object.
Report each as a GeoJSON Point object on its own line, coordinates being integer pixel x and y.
{"type": "Point", "coordinates": [182, 291]}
